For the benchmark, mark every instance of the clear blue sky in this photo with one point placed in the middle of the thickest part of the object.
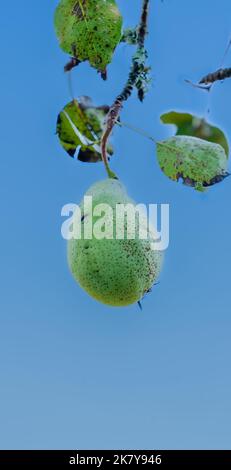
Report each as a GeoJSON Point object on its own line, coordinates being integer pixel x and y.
{"type": "Point", "coordinates": [75, 373]}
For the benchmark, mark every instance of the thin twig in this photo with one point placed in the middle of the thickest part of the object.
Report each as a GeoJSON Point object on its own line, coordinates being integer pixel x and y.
{"type": "Point", "coordinates": [137, 130]}
{"type": "Point", "coordinates": [138, 77]}
{"type": "Point", "coordinates": [196, 85]}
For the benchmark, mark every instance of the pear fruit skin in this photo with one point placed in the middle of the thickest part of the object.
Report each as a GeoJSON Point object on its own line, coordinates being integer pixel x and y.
{"type": "Point", "coordinates": [116, 272]}
{"type": "Point", "coordinates": [89, 30]}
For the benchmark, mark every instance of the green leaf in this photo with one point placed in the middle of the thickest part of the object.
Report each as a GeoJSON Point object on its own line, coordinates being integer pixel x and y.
{"type": "Point", "coordinates": [80, 128]}
{"type": "Point", "coordinates": [196, 162]}
{"type": "Point", "coordinates": [89, 30]}
{"type": "Point", "coordinates": [190, 125]}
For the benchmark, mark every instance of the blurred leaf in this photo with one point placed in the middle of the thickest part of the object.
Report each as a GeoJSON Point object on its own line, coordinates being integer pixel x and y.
{"type": "Point", "coordinates": [80, 127]}
{"type": "Point", "coordinates": [196, 162]}
{"type": "Point", "coordinates": [190, 125]}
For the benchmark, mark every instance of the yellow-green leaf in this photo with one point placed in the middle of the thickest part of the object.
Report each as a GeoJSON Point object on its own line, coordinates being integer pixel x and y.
{"type": "Point", "coordinates": [80, 127]}
{"type": "Point", "coordinates": [196, 162]}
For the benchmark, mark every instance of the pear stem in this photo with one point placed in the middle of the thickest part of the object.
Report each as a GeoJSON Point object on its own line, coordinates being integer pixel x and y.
{"type": "Point", "coordinates": [138, 78]}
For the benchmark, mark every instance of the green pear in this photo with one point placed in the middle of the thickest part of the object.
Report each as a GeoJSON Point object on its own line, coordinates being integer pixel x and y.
{"type": "Point", "coordinates": [114, 269]}
{"type": "Point", "coordinates": [89, 30]}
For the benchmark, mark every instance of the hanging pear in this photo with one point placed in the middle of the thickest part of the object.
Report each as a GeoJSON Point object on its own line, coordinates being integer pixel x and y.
{"type": "Point", "coordinates": [115, 270]}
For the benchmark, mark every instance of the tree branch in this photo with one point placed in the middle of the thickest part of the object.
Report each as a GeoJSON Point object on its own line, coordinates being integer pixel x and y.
{"type": "Point", "coordinates": [138, 78]}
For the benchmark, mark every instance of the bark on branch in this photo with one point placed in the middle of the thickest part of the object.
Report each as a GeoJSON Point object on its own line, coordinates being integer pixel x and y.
{"type": "Point", "coordinates": [138, 78]}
